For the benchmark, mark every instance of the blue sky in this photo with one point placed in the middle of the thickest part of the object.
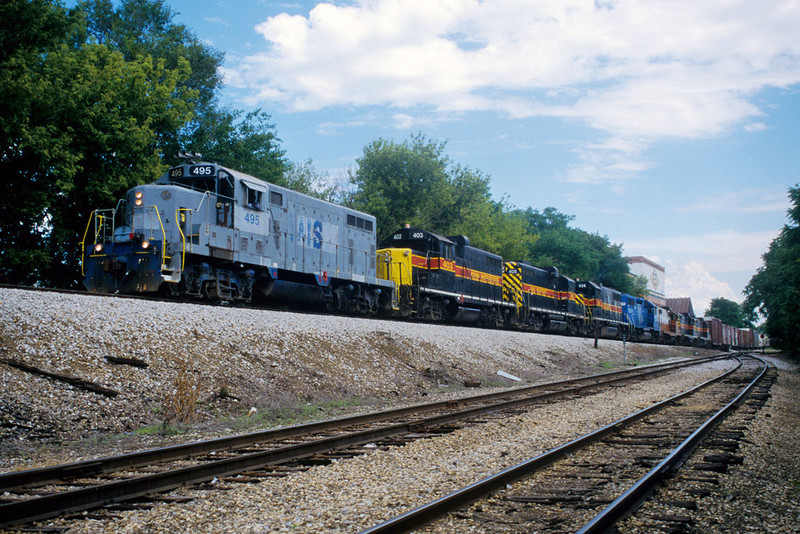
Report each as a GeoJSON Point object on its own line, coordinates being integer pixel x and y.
{"type": "Point", "coordinates": [672, 127]}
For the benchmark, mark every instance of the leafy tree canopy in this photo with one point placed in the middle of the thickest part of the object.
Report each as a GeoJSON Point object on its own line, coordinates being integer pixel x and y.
{"type": "Point", "coordinates": [416, 183]}
{"type": "Point", "coordinates": [577, 253]}
{"type": "Point", "coordinates": [407, 183]}
{"type": "Point", "coordinates": [729, 312]}
{"type": "Point", "coordinates": [774, 291]}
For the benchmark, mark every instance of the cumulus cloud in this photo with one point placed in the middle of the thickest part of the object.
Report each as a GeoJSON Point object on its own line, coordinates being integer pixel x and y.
{"type": "Point", "coordinates": [693, 280]}
{"type": "Point", "coordinates": [755, 200]}
{"type": "Point", "coordinates": [635, 71]}
{"type": "Point", "coordinates": [726, 251]}
{"type": "Point", "coordinates": [702, 266]}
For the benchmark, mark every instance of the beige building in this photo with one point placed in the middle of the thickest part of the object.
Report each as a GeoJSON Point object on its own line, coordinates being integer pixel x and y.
{"type": "Point", "coordinates": [656, 278]}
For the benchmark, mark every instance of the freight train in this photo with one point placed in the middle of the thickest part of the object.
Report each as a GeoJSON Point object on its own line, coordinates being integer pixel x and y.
{"type": "Point", "coordinates": [203, 231]}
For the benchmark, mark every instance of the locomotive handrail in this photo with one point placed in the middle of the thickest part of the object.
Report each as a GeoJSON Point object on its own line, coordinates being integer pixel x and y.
{"type": "Point", "coordinates": [163, 232]}
{"type": "Point", "coordinates": [95, 216]}
{"type": "Point", "coordinates": [180, 228]}
{"type": "Point", "coordinates": [83, 241]}
{"type": "Point", "coordinates": [183, 236]}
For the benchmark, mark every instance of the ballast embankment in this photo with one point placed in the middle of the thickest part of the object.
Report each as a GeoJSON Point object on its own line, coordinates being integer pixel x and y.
{"type": "Point", "coordinates": [229, 360]}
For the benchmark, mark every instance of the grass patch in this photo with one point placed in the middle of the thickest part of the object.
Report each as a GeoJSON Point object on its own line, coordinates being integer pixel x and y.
{"type": "Point", "coordinates": [162, 430]}
{"type": "Point", "coordinates": [287, 414]}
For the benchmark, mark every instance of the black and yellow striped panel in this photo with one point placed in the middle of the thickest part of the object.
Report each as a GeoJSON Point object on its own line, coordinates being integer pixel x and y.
{"type": "Point", "coordinates": [512, 283]}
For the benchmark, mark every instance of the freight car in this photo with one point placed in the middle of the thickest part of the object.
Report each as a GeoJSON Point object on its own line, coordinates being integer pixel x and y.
{"type": "Point", "coordinates": [205, 231]}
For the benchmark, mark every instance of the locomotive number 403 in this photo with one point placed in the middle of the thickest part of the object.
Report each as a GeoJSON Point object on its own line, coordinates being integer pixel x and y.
{"type": "Point", "coordinates": [415, 235]}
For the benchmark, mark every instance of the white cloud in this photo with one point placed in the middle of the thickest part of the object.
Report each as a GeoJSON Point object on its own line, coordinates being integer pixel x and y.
{"type": "Point", "coordinates": [720, 252]}
{"type": "Point", "coordinates": [636, 71]}
{"type": "Point", "coordinates": [755, 200]}
{"type": "Point", "coordinates": [694, 280]}
{"type": "Point", "coordinates": [755, 127]}
{"type": "Point", "coordinates": [705, 266]}
{"type": "Point", "coordinates": [217, 20]}
{"type": "Point", "coordinates": [404, 121]}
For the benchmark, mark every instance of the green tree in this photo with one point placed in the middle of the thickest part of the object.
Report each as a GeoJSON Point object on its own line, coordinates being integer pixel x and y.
{"type": "Point", "coordinates": [774, 291]}
{"type": "Point", "coordinates": [303, 176]}
{"type": "Point", "coordinates": [729, 312]}
{"type": "Point", "coordinates": [416, 183]}
{"type": "Point", "coordinates": [28, 30]}
{"type": "Point", "coordinates": [577, 253]}
{"type": "Point", "coordinates": [89, 134]}
{"type": "Point", "coordinates": [639, 288]}
{"type": "Point", "coordinates": [246, 142]}
{"type": "Point", "coordinates": [493, 226]}
{"type": "Point", "coordinates": [78, 123]}
{"type": "Point", "coordinates": [404, 183]}
{"type": "Point", "coordinates": [139, 28]}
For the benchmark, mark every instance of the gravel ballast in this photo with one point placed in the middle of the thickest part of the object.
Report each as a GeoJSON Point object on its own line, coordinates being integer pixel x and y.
{"type": "Point", "coordinates": [236, 359]}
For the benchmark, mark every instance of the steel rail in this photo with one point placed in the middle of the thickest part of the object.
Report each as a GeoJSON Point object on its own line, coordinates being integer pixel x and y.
{"type": "Point", "coordinates": [636, 494]}
{"type": "Point", "coordinates": [24, 511]}
{"type": "Point", "coordinates": [429, 512]}
{"type": "Point", "coordinates": [40, 476]}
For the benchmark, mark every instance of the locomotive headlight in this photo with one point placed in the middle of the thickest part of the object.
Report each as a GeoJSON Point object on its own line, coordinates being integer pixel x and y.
{"type": "Point", "coordinates": [138, 196]}
{"type": "Point", "coordinates": [145, 244]}
{"type": "Point", "coordinates": [98, 248]}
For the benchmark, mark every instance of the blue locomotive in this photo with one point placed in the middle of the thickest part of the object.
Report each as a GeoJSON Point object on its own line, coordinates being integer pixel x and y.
{"type": "Point", "coordinates": [205, 231]}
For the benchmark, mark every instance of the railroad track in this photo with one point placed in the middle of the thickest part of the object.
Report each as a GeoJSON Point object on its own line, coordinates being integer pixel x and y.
{"type": "Point", "coordinates": [47, 492]}
{"type": "Point", "coordinates": [588, 484]}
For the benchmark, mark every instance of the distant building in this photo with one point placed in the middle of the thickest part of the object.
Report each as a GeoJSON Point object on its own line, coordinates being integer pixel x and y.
{"type": "Point", "coordinates": [681, 305]}
{"type": "Point", "coordinates": [656, 278]}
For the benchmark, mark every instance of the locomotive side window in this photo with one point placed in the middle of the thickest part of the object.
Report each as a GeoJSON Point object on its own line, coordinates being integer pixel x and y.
{"type": "Point", "coordinates": [254, 195]}
{"type": "Point", "coordinates": [275, 198]}
{"type": "Point", "coordinates": [447, 251]}
{"type": "Point", "coordinates": [254, 199]}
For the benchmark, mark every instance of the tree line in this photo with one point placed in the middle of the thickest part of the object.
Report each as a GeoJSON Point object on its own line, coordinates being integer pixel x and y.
{"type": "Point", "coordinates": [414, 182]}
{"type": "Point", "coordinates": [98, 98]}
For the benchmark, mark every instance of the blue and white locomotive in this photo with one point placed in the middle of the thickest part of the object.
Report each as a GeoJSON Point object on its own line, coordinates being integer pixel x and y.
{"type": "Point", "coordinates": [206, 231]}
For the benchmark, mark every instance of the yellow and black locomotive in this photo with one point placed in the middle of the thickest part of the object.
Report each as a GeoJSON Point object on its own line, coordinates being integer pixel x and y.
{"type": "Point", "coordinates": [443, 278]}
